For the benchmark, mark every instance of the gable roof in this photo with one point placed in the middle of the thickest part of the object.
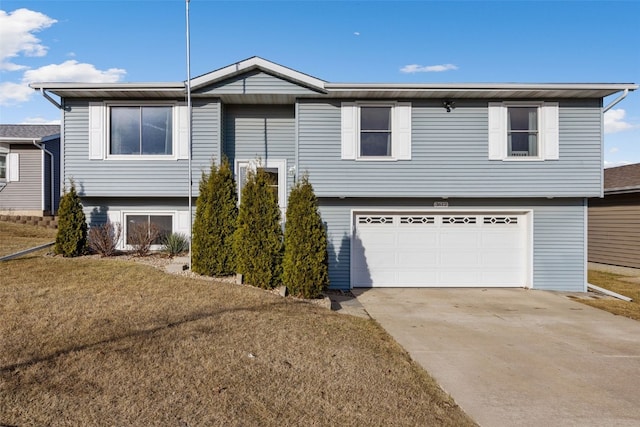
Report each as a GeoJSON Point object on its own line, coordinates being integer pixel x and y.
{"type": "Point", "coordinates": [321, 88]}
{"type": "Point", "coordinates": [622, 179]}
{"type": "Point", "coordinates": [27, 132]}
{"type": "Point", "coordinates": [257, 63]}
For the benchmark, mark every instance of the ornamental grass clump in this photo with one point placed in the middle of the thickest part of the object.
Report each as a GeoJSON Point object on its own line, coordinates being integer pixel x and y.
{"type": "Point", "coordinates": [257, 241]}
{"type": "Point", "coordinates": [71, 239]}
{"type": "Point", "coordinates": [175, 244]}
{"type": "Point", "coordinates": [305, 263]}
{"type": "Point", "coordinates": [215, 223]}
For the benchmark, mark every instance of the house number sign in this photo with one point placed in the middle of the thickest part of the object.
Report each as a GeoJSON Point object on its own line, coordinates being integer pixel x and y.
{"type": "Point", "coordinates": [440, 204]}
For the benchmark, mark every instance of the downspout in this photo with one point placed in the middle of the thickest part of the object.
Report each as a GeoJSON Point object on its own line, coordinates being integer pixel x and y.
{"type": "Point", "coordinates": [51, 170]}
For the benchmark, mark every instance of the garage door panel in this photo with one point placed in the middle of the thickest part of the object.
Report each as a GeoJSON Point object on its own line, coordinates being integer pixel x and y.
{"type": "Point", "coordinates": [440, 250]}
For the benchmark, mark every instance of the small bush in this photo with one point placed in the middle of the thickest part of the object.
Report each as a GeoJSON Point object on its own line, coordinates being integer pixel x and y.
{"type": "Point", "coordinates": [175, 244]}
{"type": "Point", "coordinates": [141, 236]}
{"type": "Point", "coordinates": [71, 239]}
{"type": "Point", "coordinates": [103, 239]}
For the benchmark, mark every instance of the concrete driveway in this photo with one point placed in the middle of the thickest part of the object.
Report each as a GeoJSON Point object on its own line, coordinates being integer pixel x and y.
{"type": "Point", "coordinates": [515, 357]}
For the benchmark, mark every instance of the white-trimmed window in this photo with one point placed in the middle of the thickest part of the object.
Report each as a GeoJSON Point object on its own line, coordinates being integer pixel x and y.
{"type": "Point", "coordinates": [376, 130]}
{"type": "Point", "coordinates": [276, 171]}
{"type": "Point", "coordinates": [523, 131]}
{"type": "Point", "coordinates": [9, 165]}
{"type": "Point", "coordinates": [129, 131]}
{"type": "Point", "coordinates": [167, 221]}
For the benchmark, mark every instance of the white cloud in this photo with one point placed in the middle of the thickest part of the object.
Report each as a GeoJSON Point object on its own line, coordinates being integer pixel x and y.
{"type": "Point", "coordinates": [356, 33]}
{"type": "Point", "coordinates": [614, 150]}
{"type": "Point", "coordinates": [73, 71]}
{"type": "Point", "coordinates": [614, 121]}
{"type": "Point", "coordinates": [16, 33]}
{"type": "Point", "coordinates": [39, 121]}
{"type": "Point", "coordinates": [415, 68]}
{"type": "Point", "coordinates": [13, 93]}
{"type": "Point", "coordinates": [608, 164]}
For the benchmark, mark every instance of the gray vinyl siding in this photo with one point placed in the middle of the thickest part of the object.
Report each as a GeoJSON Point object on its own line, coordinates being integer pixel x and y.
{"type": "Point", "coordinates": [254, 83]}
{"type": "Point", "coordinates": [450, 156]}
{"type": "Point", "coordinates": [136, 177]}
{"type": "Point", "coordinates": [558, 235]}
{"type": "Point", "coordinates": [25, 194]}
{"type": "Point", "coordinates": [614, 230]}
{"type": "Point", "coordinates": [260, 133]}
{"type": "Point", "coordinates": [96, 208]}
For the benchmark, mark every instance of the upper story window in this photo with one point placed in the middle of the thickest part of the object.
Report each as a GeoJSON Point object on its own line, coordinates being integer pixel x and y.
{"type": "Point", "coordinates": [138, 131]}
{"type": "Point", "coordinates": [376, 130]}
{"type": "Point", "coordinates": [522, 131]}
{"type": "Point", "coordinates": [141, 130]}
{"type": "Point", "coordinates": [276, 174]}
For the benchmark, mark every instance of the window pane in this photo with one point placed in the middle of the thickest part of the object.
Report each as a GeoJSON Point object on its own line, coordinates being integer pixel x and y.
{"type": "Point", "coordinates": [125, 130]}
{"type": "Point", "coordinates": [272, 179]}
{"type": "Point", "coordinates": [133, 220]}
{"type": "Point", "coordinates": [164, 224]}
{"type": "Point", "coordinates": [523, 118]}
{"type": "Point", "coordinates": [375, 144]}
{"type": "Point", "coordinates": [156, 130]}
{"type": "Point", "coordinates": [375, 118]}
{"type": "Point", "coordinates": [3, 167]}
{"type": "Point", "coordinates": [523, 144]}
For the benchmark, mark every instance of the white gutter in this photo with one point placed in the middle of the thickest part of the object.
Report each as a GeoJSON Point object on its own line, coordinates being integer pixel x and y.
{"type": "Point", "coordinates": [50, 99]}
{"type": "Point", "coordinates": [615, 101]}
{"type": "Point", "coordinates": [52, 177]}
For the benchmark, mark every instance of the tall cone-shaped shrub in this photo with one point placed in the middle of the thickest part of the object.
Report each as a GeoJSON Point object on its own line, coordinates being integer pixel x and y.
{"type": "Point", "coordinates": [258, 239]}
{"type": "Point", "coordinates": [71, 239]}
{"type": "Point", "coordinates": [215, 223]}
{"type": "Point", "coordinates": [305, 263]}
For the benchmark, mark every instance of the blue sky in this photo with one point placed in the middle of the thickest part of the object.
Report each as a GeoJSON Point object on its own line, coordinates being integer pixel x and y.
{"type": "Point", "coordinates": [337, 41]}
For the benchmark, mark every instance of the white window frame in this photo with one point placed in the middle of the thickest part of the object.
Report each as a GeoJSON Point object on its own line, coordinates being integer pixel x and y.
{"type": "Point", "coordinates": [548, 135]}
{"type": "Point", "coordinates": [100, 131]}
{"type": "Point", "coordinates": [400, 130]}
{"type": "Point", "coordinates": [280, 164]}
{"type": "Point", "coordinates": [5, 155]}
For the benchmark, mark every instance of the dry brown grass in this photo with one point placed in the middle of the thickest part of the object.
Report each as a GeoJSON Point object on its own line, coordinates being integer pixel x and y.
{"type": "Point", "coordinates": [624, 285]}
{"type": "Point", "coordinates": [106, 342]}
{"type": "Point", "coordinates": [17, 237]}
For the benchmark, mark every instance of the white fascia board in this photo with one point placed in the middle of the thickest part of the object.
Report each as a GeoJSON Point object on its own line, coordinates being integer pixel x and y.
{"type": "Point", "coordinates": [257, 63]}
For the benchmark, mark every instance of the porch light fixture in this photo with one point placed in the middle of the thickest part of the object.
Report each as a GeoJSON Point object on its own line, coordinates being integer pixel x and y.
{"type": "Point", "coordinates": [448, 105]}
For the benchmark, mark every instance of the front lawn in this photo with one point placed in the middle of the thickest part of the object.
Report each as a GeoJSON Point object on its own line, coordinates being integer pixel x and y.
{"type": "Point", "coordinates": [87, 341]}
{"type": "Point", "coordinates": [18, 237]}
{"type": "Point", "coordinates": [624, 285]}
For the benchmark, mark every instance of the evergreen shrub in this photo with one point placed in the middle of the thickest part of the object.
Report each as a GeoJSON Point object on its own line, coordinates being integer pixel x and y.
{"type": "Point", "coordinates": [71, 239]}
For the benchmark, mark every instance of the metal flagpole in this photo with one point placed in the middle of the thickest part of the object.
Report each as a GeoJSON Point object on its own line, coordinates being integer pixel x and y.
{"type": "Point", "coordinates": [189, 131]}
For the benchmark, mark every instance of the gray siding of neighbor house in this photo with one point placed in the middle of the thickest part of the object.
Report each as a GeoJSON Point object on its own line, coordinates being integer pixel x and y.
{"type": "Point", "coordinates": [260, 133]}
{"type": "Point", "coordinates": [137, 177]}
{"type": "Point", "coordinates": [450, 156]}
{"type": "Point", "coordinates": [558, 235]}
{"type": "Point", "coordinates": [614, 230]}
{"type": "Point", "coordinates": [254, 83]}
{"type": "Point", "coordinates": [25, 194]}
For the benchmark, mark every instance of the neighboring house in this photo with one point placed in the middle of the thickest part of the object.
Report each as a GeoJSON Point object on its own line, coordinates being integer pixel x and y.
{"type": "Point", "coordinates": [29, 169]}
{"type": "Point", "coordinates": [436, 184]}
{"type": "Point", "coordinates": [614, 221]}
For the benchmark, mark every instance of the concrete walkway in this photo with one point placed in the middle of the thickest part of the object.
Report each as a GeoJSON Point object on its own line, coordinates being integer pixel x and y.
{"type": "Point", "coordinates": [515, 357]}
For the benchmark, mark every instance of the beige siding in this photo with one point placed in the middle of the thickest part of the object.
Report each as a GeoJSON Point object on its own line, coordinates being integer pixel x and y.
{"type": "Point", "coordinates": [614, 230]}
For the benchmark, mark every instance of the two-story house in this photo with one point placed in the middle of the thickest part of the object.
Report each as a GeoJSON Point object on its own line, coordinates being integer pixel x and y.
{"type": "Point", "coordinates": [472, 185]}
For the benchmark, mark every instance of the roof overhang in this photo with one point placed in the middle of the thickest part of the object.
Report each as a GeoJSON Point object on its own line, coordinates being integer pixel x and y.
{"type": "Point", "coordinates": [477, 90]}
{"type": "Point", "coordinates": [113, 90]}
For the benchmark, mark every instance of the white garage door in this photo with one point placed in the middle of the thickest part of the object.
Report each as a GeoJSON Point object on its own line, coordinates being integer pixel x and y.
{"type": "Point", "coordinates": [427, 249]}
